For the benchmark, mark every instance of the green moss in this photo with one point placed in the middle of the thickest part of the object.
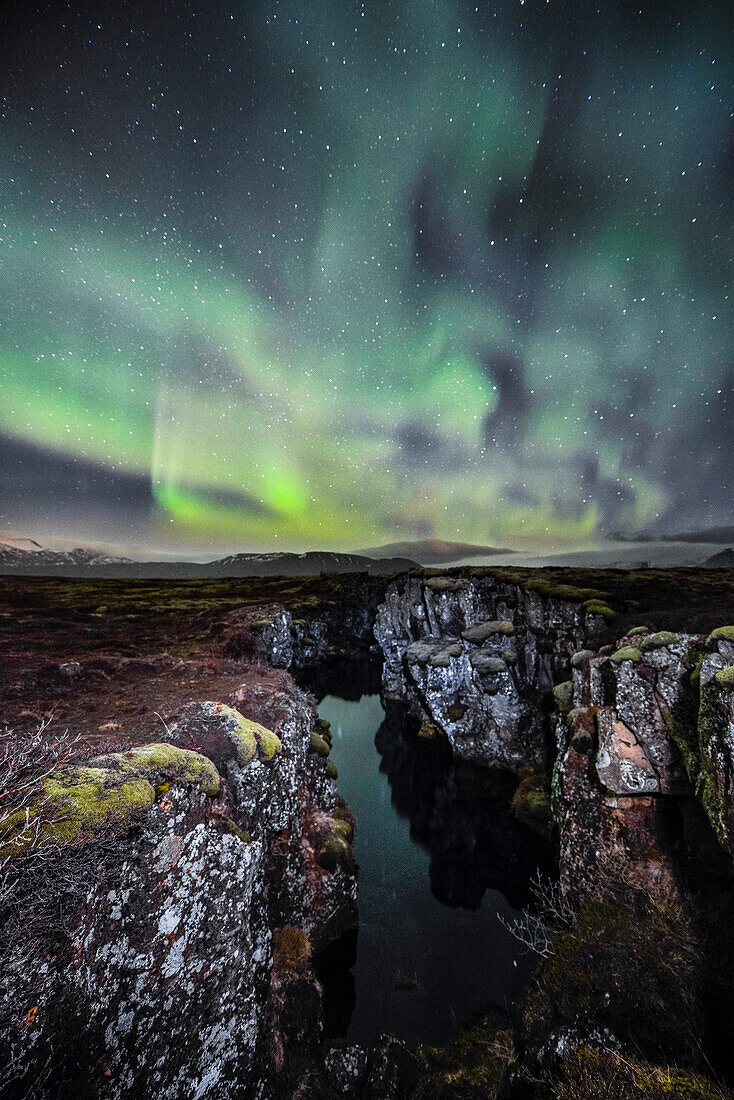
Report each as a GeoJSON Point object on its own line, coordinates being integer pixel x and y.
{"type": "Point", "coordinates": [531, 803]}
{"type": "Point", "coordinates": [598, 607]}
{"type": "Point", "coordinates": [229, 827]}
{"type": "Point", "coordinates": [291, 951]}
{"type": "Point", "coordinates": [428, 731]}
{"type": "Point", "coordinates": [626, 653]}
{"type": "Point", "coordinates": [725, 678]}
{"type": "Point", "coordinates": [80, 803]}
{"type": "Point", "coordinates": [657, 641]}
{"type": "Point", "coordinates": [318, 744]}
{"type": "Point", "coordinates": [570, 593]}
{"type": "Point", "coordinates": [563, 696]}
{"type": "Point", "coordinates": [331, 770]}
{"type": "Point", "coordinates": [159, 762]}
{"type": "Point", "coordinates": [636, 630]}
{"type": "Point", "coordinates": [250, 738]}
{"type": "Point", "coordinates": [472, 1067]}
{"type": "Point", "coordinates": [341, 812]}
{"type": "Point", "coordinates": [456, 711]}
{"type": "Point", "coordinates": [722, 633]}
{"type": "Point", "coordinates": [621, 968]}
{"type": "Point", "coordinates": [335, 849]}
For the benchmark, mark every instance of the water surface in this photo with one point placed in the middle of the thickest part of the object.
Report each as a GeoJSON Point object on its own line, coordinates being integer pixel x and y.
{"type": "Point", "coordinates": [430, 950]}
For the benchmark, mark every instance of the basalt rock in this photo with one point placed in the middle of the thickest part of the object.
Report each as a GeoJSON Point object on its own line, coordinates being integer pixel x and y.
{"type": "Point", "coordinates": [649, 730]}
{"type": "Point", "coordinates": [159, 979]}
{"type": "Point", "coordinates": [477, 658]}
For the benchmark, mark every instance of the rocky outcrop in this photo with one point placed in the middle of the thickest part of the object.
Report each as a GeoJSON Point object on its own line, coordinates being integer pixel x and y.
{"type": "Point", "coordinates": [715, 730]}
{"type": "Point", "coordinates": [646, 729]}
{"type": "Point", "coordinates": [475, 657]}
{"type": "Point", "coordinates": [184, 860]}
{"type": "Point", "coordinates": [316, 637]}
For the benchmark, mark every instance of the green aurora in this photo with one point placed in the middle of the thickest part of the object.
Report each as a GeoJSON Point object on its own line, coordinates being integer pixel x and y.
{"type": "Point", "coordinates": [402, 282]}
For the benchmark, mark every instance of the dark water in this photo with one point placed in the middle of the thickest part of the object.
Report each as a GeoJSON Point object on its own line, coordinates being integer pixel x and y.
{"type": "Point", "coordinates": [439, 857]}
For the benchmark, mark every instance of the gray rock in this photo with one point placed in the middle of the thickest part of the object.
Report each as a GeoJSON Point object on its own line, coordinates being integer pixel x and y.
{"type": "Point", "coordinates": [480, 632]}
{"type": "Point", "coordinates": [345, 1067]}
{"type": "Point", "coordinates": [485, 662]}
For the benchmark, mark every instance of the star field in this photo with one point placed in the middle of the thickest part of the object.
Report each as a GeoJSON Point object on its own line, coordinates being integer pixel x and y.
{"type": "Point", "coordinates": [323, 275]}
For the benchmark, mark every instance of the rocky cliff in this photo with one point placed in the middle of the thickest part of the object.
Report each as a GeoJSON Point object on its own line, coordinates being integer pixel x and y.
{"type": "Point", "coordinates": [165, 942]}
{"type": "Point", "coordinates": [201, 873]}
{"type": "Point", "coordinates": [475, 657]}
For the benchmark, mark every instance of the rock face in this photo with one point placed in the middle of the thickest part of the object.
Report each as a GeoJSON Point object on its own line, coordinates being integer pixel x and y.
{"type": "Point", "coordinates": [475, 657]}
{"type": "Point", "coordinates": [647, 728]}
{"type": "Point", "coordinates": [162, 980]}
{"type": "Point", "coordinates": [316, 639]}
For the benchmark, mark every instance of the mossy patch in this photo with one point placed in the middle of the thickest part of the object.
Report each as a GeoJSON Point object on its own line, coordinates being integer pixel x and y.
{"type": "Point", "coordinates": [568, 593]}
{"type": "Point", "coordinates": [626, 653]}
{"type": "Point", "coordinates": [621, 968]}
{"type": "Point", "coordinates": [250, 739]}
{"type": "Point", "coordinates": [331, 770]}
{"type": "Point", "coordinates": [479, 632]}
{"type": "Point", "coordinates": [598, 607]}
{"type": "Point", "coordinates": [428, 731]}
{"type": "Point", "coordinates": [335, 844]}
{"type": "Point", "coordinates": [77, 805]}
{"type": "Point", "coordinates": [161, 763]}
{"type": "Point", "coordinates": [658, 641]}
{"type": "Point", "coordinates": [725, 678]}
{"type": "Point", "coordinates": [473, 1066]}
{"type": "Point", "coordinates": [531, 802]}
{"type": "Point", "coordinates": [318, 744]}
{"type": "Point", "coordinates": [291, 951]}
{"type": "Point", "coordinates": [563, 696]}
{"type": "Point", "coordinates": [722, 633]}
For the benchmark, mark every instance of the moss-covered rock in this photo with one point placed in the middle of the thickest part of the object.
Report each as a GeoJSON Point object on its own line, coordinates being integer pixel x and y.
{"type": "Point", "coordinates": [159, 762]}
{"type": "Point", "coordinates": [598, 607]}
{"type": "Point", "coordinates": [428, 731]}
{"type": "Point", "coordinates": [318, 744]}
{"type": "Point", "coordinates": [291, 951]}
{"type": "Point", "coordinates": [621, 968]}
{"type": "Point", "coordinates": [658, 641]}
{"type": "Point", "coordinates": [725, 678]}
{"type": "Point", "coordinates": [626, 653]}
{"type": "Point", "coordinates": [479, 632]}
{"type": "Point", "coordinates": [531, 802]}
{"type": "Point", "coordinates": [334, 848]}
{"type": "Point", "coordinates": [581, 658]}
{"type": "Point", "coordinates": [722, 633]}
{"type": "Point", "coordinates": [76, 805]}
{"type": "Point", "coordinates": [472, 1067]}
{"type": "Point", "coordinates": [331, 770]}
{"type": "Point", "coordinates": [251, 740]}
{"type": "Point", "coordinates": [563, 696]}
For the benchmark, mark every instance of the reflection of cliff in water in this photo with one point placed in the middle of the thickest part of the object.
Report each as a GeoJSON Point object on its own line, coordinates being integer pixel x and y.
{"type": "Point", "coordinates": [461, 815]}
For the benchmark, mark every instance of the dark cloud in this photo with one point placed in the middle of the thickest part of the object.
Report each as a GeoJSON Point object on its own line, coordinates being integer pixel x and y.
{"type": "Point", "coordinates": [34, 480]}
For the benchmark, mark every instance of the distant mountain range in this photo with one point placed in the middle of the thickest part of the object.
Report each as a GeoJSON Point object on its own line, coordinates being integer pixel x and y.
{"type": "Point", "coordinates": [432, 551]}
{"type": "Point", "coordinates": [720, 535]}
{"type": "Point", "coordinates": [27, 557]}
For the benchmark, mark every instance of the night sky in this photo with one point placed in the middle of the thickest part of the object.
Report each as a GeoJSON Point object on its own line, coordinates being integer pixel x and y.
{"type": "Point", "coordinates": [330, 274]}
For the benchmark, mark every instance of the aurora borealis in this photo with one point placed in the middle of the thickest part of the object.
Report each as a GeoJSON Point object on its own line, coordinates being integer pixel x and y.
{"type": "Point", "coordinates": [325, 275]}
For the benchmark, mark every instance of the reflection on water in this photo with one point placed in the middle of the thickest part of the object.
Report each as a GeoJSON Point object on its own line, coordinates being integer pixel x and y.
{"type": "Point", "coordinates": [439, 856]}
